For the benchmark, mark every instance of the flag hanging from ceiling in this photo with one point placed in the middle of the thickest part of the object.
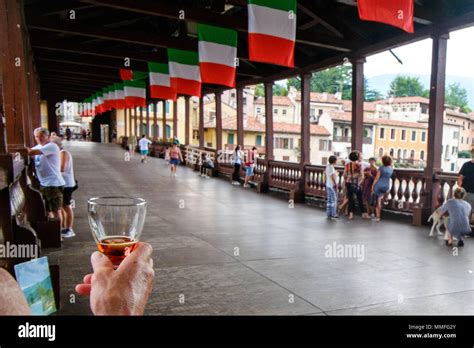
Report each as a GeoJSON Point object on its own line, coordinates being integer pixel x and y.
{"type": "Point", "coordinates": [132, 75]}
{"type": "Point", "coordinates": [119, 96]}
{"type": "Point", "coordinates": [112, 102]}
{"type": "Point", "coordinates": [272, 31]}
{"type": "Point", "coordinates": [185, 76]}
{"type": "Point", "coordinates": [105, 99]}
{"type": "Point", "coordinates": [160, 83]}
{"type": "Point", "coordinates": [100, 103]}
{"type": "Point", "coordinates": [398, 13]}
{"type": "Point", "coordinates": [135, 93]}
{"type": "Point", "coordinates": [217, 54]}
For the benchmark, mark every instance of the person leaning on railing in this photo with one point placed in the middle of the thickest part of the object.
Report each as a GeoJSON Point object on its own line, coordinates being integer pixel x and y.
{"type": "Point", "coordinates": [466, 181]}
{"type": "Point", "coordinates": [353, 177]}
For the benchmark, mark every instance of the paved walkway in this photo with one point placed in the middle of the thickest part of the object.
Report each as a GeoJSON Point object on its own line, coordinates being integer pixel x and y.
{"type": "Point", "coordinates": [233, 251]}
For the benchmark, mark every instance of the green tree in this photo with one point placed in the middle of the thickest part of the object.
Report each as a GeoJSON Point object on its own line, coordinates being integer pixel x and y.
{"type": "Point", "coordinates": [406, 86]}
{"type": "Point", "coordinates": [371, 94]}
{"type": "Point", "coordinates": [456, 96]}
{"type": "Point", "coordinates": [277, 90]}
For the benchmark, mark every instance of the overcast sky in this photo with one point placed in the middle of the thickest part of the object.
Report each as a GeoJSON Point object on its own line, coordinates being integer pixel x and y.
{"type": "Point", "coordinates": [416, 57]}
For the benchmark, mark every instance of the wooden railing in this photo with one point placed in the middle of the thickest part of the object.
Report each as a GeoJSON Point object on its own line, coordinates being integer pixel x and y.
{"type": "Point", "coordinates": [284, 175]}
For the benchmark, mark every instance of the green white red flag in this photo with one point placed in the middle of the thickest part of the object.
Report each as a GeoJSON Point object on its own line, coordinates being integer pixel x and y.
{"type": "Point", "coordinates": [135, 93]}
{"type": "Point", "coordinates": [160, 82]}
{"type": "Point", "coordinates": [185, 76]}
{"type": "Point", "coordinates": [272, 31]}
{"type": "Point", "coordinates": [119, 96]}
{"type": "Point", "coordinates": [217, 54]}
{"type": "Point", "coordinates": [132, 75]}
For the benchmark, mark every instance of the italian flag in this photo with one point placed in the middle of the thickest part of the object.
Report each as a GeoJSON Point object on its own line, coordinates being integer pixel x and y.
{"type": "Point", "coordinates": [106, 98]}
{"type": "Point", "coordinates": [119, 96]}
{"type": "Point", "coordinates": [160, 83]}
{"type": "Point", "coordinates": [132, 75]}
{"type": "Point", "coordinates": [111, 95]}
{"type": "Point", "coordinates": [272, 31]}
{"type": "Point", "coordinates": [217, 54]}
{"type": "Point", "coordinates": [184, 72]}
{"type": "Point", "coordinates": [100, 103]}
{"type": "Point", "coordinates": [135, 93]}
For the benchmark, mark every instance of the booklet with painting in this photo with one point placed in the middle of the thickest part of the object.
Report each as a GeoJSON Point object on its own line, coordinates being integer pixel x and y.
{"type": "Point", "coordinates": [35, 281]}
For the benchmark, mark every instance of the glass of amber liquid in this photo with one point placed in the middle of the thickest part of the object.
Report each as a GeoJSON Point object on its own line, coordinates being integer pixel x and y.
{"type": "Point", "coordinates": [116, 224]}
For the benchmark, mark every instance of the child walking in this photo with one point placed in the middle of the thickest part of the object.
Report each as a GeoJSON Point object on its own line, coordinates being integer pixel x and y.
{"type": "Point", "coordinates": [331, 189]}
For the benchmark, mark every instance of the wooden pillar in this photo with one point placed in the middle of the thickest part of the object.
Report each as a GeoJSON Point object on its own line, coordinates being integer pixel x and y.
{"type": "Point", "coordinates": [135, 131]}
{"type": "Point", "coordinates": [269, 120]}
{"type": "Point", "coordinates": [13, 64]}
{"type": "Point", "coordinates": [186, 119]}
{"type": "Point", "coordinates": [436, 114]}
{"type": "Point", "coordinates": [175, 119]}
{"type": "Point", "coordinates": [3, 134]}
{"type": "Point", "coordinates": [429, 196]}
{"type": "Point", "coordinates": [53, 119]}
{"type": "Point", "coordinates": [130, 122]}
{"type": "Point", "coordinates": [148, 121]}
{"type": "Point", "coordinates": [141, 123]}
{"type": "Point", "coordinates": [155, 121]}
{"type": "Point", "coordinates": [240, 117]}
{"type": "Point", "coordinates": [201, 122]}
{"type": "Point", "coordinates": [357, 103]}
{"type": "Point", "coordinates": [125, 113]}
{"type": "Point", "coordinates": [164, 120]}
{"type": "Point", "coordinates": [305, 125]}
{"type": "Point", "coordinates": [219, 121]}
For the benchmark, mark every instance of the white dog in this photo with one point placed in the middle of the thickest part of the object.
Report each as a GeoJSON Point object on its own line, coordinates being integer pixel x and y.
{"type": "Point", "coordinates": [439, 220]}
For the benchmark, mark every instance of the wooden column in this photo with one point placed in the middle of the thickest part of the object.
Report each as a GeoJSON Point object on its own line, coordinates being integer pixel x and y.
{"type": "Point", "coordinates": [201, 123]}
{"type": "Point", "coordinates": [305, 125]}
{"type": "Point", "coordinates": [186, 119]}
{"type": "Point", "coordinates": [435, 120]}
{"type": "Point", "coordinates": [135, 131]}
{"type": "Point", "coordinates": [155, 121]}
{"type": "Point", "coordinates": [240, 117]}
{"type": "Point", "coordinates": [148, 121]}
{"type": "Point", "coordinates": [53, 119]}
{"type": "Point", "coordinates": [269, 120]}
{"type": "Point", "coordinates": [3, 134]}
{"type": "Point", "coordinates": [13, 65]}
{"type": "Point", "coordinates": [141, 123]}
{"type": "Point", "coordinates": [130, 122]}
{"type": "Point", "coordinates": [164, 119]}
{"type": "Point", "coordinates": [219, 121]}
{"type": "Point", "coordinates": [175, 119]}
{"type": "Point", "coordinates": [357, 103]}
{"type": "Point", "coordinates": [125, 113]}
{"type": "Point", "coordinates": [429, 196]}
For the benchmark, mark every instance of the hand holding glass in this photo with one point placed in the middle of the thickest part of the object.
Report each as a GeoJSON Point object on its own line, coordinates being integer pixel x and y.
{"type": "Point", "coordinates": [116, 223]}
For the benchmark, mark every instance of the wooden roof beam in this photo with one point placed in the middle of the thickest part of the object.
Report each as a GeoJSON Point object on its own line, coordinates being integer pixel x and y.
{"type": "Point", "coordinates": [162, 9]}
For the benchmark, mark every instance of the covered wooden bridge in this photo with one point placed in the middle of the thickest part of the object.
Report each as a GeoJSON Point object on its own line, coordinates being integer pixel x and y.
{"type": "Point", "coordinates": [57, 50]}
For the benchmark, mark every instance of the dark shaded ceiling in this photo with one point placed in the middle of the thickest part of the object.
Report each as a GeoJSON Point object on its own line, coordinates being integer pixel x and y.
{"type": "Point", "coordinates": [76, 53]}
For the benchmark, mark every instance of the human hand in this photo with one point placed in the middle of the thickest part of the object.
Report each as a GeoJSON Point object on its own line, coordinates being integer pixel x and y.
{"type": "Point", "coordinates": [123, 291]}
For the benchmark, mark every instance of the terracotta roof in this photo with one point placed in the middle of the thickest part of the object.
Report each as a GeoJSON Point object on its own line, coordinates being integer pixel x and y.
{"type": "Point", "coordinates": [398, 100]}
{"type": "Point", "coordinates": [321, 97]}
{"type": "Point", "coordinates": [347, 117]}
{"type": "Point", "coordinates": [396, 123]}
{"type": "Point", "coordinates": [456, 113]}
{"type": "Point", "coordinates": [368, 106]}
{"type": "Point", "coordinates": [277, 100]}
{"type": "Point", "coordinates": [253, 125]}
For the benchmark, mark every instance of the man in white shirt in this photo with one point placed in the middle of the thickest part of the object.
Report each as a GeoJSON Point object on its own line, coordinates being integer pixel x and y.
{"type": "Point", "coordinates": [143, 144]}
{"type": "Point", "coordinates": [48, 171]}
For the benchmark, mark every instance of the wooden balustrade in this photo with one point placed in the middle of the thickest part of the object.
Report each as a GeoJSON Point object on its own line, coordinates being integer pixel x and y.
{"type": "Point", "coordinates": [284, 175]}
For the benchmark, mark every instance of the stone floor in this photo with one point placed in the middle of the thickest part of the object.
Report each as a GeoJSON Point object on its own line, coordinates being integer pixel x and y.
{"type": "Point", "coordinates": [282, 266]}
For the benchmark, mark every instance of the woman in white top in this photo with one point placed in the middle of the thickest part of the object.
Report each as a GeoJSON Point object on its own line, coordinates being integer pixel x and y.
{"type": "Point", "coordinates": [67, 172]}
{"type": "Point", "coordinates": [237, 160]}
